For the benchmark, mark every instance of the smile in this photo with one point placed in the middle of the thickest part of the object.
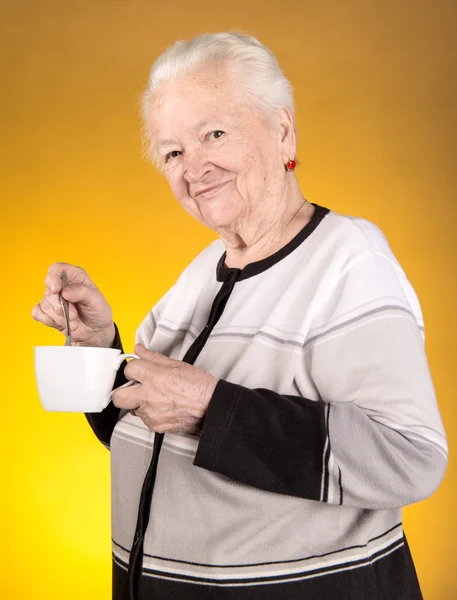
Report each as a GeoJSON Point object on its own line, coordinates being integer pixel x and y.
{"type": "Point", "coordinates": [209, 192]}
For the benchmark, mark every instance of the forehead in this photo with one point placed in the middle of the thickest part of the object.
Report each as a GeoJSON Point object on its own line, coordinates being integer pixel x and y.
{"type": "Point", "coordinates": [195, 99]}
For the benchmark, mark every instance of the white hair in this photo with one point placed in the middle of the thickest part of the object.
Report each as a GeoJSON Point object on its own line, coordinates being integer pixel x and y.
{"type": "Point", "coordinates": [259, 73]}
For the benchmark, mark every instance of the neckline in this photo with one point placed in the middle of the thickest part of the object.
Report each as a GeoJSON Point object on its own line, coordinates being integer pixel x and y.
{"type": "Point", "coordinates": [224, 273]}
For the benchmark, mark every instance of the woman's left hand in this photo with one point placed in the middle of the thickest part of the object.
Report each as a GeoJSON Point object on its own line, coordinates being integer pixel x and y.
{"type": "Point", "coordinates": [170, 396]}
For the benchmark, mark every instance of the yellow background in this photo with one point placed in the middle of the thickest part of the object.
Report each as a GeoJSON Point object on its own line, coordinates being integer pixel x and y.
{"type": "Point", "coordinates": [375, 86]}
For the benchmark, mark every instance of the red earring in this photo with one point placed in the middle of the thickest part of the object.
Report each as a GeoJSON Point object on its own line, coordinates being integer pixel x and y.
{"type": "Point", "coordinates": [290, 166]}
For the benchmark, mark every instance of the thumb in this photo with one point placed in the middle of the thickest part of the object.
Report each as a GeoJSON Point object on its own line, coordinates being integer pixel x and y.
{"type": "Point", "coordinates": [150, 355]}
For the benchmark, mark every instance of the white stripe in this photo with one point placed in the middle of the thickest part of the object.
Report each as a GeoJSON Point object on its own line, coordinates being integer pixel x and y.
{"type": "Point", "coordinates": [136, 441]}
{"type": "Point", "coordinates": [323, 462]}
{"type": "Point", "coordinates": [133, 429]}
{"type": "Point", "coordinates": [247, 573]}
{"type": "Point", "coordinates": [331, 479]}
{"type": "Point", "coordinates": [178, 451]}
{"type": "Point", "coordinates": [282, 581]}
{"type": "Point", "coordinates": [186, 442]}
{"type": "Point", "coordinates": [136, 430]}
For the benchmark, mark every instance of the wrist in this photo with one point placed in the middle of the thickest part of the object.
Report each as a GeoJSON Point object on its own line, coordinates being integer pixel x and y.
{"type": "Point", "coordinates": [111, 336]}
{"type": "Point", "coordinates": [105, 338]}
{"type": "Point", "coordinates": [208, 392]}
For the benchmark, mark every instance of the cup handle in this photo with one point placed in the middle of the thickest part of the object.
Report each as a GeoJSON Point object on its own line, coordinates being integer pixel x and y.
{"type": "Point", "coordinates": [122, 357]}
{"type": "Point", "coordinates": [120, 360]}
{"type": "Point", "coordinates": [124, 385]}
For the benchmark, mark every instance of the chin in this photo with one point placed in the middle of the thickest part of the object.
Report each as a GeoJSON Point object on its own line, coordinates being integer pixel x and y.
{"type": "Point", "coordinates": [218, 219]}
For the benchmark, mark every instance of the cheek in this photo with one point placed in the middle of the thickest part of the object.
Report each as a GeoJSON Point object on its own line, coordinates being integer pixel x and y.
{"type": "Point", "coordinates": [177, 185]}
{"type": "Point", "coordinates": [179, 190]}
{"type": "Point", "coordinates": [253, 169]}
{"type": "Point", "coordinates": [253, 156]}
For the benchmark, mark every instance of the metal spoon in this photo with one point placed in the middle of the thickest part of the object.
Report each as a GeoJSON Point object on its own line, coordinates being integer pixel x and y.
{"type": "Point", "coordinates": [65, 307]}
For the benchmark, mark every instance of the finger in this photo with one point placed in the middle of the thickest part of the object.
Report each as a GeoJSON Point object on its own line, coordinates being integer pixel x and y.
{"type": "Point", "coordinates": [39, 315]}
{"type": "Point", "coordinates": [136, 370]}
{"type": "Point", "coordinates": [80, 293]}
{"type": "Point", "coordinates": [51, 306]}
{"type": "Point", "coordinates": [152, 356]}
{"type": "Point", "coordinates": [57, 316]}
{"type": "Point", "coordinates": [127, 398]}
{"type": "Point", "coordinates": [74, 275]}
{"type": "Point", "coordinates": [52, 309]}
{"type": "Point", "coordinates": [52, 302]}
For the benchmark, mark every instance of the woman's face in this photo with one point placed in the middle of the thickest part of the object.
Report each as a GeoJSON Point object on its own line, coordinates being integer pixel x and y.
{"type": "Point", "coordinates": [223, 159]}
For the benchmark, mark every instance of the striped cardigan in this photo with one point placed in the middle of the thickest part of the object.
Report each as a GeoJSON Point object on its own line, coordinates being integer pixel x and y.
{"type": "Point", "coordinates": [323, 425]}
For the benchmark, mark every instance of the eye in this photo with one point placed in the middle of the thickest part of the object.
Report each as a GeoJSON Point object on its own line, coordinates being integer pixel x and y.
{"type": "Point", "coordinates": [171, 155]}
{"type": "Point", "coordinates": [215, 135]}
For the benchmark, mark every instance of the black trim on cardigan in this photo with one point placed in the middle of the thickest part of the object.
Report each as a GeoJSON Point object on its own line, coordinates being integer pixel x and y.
{"type": "Point", "coordinates": [103, 423]}
{"type": "Point", "coordinates": [259, 266]}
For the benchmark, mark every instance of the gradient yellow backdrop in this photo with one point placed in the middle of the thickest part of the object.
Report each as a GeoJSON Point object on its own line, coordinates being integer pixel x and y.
{"type": "Point", "coordinates": [376, 94]}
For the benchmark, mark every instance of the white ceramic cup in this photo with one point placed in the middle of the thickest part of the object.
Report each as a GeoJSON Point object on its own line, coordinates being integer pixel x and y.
{"type": "Point", "coordinates": [77, 378]}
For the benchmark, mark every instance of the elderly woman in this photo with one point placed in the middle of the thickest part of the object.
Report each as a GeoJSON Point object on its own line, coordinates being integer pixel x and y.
{"type": "Point", "coordinates": [284, 411]}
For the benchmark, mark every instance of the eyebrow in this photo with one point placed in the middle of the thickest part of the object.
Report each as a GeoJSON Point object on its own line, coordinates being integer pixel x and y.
{"type": "Point", "coordinates": [171, 142]}
{"type": "Point", "coordinates": [167, 143]}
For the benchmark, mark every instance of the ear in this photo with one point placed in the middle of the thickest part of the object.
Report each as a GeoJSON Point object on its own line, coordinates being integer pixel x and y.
{"type": "Point", "coordinates": [288, 135]}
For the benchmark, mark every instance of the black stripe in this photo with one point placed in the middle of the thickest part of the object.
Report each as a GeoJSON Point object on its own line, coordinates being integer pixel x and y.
{"type": "Point", "coordinates": [262, 564]}
{"type": "Point", "coordinates": [136, 554]}
{"type": "Point", "coordinates": [340, 483]}
{"type": "Point", "coordinates": [326, 460]}
{"type": "Point", "coordinates": [272, 579]}
{"type": "Point", "coordinates": [391, 576]}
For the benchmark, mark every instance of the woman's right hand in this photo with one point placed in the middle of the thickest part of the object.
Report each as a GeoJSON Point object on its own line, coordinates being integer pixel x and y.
{"type": "Point", "coordinates": [91, 318]}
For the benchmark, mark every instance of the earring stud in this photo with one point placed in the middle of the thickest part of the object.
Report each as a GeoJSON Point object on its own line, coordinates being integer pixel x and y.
{"type": "Point", "coordinates": [290, 166]}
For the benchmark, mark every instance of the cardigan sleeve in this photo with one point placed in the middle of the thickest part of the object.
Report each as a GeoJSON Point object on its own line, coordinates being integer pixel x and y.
{"type": "Point", "coordinates": [103, 423]}
{"type": "Point", "coordinates": [374, 437]}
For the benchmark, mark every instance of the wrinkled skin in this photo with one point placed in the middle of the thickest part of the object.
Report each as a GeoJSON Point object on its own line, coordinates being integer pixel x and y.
{"type": "Point", "coordinates": [224, 160]}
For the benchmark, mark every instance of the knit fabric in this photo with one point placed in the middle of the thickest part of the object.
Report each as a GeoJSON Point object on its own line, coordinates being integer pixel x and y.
{"type": "Point", "coordinates": [324, 424]}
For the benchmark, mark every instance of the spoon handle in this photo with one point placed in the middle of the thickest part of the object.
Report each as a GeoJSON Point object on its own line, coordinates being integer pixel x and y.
{"type": "Point", "coordinates": [65, 307]}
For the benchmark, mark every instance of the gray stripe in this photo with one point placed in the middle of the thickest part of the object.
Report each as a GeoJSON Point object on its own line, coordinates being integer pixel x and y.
{"type": "Point", "coordinates": [258, 333]}
{"type": "Point", "coordinates": [144, 443]}
{"type": "Point", "coordinates": [181, 330]}
{"type": "Point", "coordinates": [149, 442]}
{"type": "Point", "coordinates": [134, 424]}
{"type": "Point", "coordinates": [310, 340]}
{"type": "Point", "coordinates": [178, 450]}
{"type": "Point", "coordinates": [360, 318]}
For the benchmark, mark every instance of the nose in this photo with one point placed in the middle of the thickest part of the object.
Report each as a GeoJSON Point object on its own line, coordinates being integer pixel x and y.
{"type": "Point", "coordinates": [196, 165]}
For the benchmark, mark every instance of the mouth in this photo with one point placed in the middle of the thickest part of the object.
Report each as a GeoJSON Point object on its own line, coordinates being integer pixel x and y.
{"type": "Point", "coordinates": [209, 192]}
